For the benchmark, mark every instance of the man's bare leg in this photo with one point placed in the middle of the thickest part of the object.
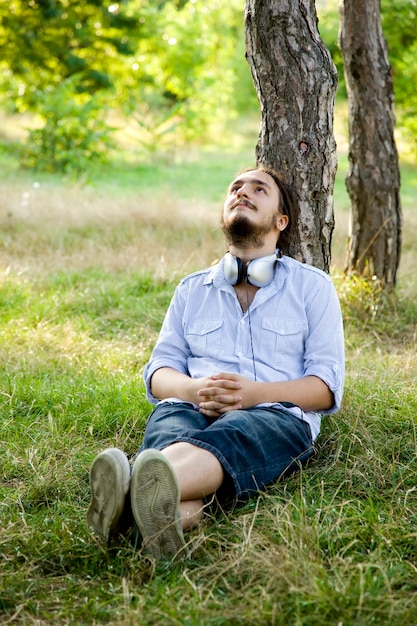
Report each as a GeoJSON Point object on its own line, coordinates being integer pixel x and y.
{"type": "Point", "coordinates": [199, 474]}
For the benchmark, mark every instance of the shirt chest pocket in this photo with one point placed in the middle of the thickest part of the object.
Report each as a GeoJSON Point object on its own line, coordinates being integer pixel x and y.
{"type": "Point", "coordinates": [283, 339]}
{"type": "Point", "coordinates": [204, 337]}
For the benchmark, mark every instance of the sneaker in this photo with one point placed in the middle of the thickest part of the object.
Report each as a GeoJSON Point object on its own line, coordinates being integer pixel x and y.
{"type": "Point", "coordinates": [109, 483]}
{"type": "Point", "coordinates": [155, 499]}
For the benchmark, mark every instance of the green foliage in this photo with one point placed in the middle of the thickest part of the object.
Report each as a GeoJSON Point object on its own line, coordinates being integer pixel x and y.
{"type": "Point", "coordinates": [187, 67]}
{"type": "Point", "coordinates": [362, 298]}
{"type": "Point", "coordinates": [157, 125]}
{"type": "Point", "coordinates": [168, 61]}
{"type": "Point", "coordinates": [367, 305]}
{"type": "Point", "coordinates": [45, 42]}
{"type": "Point", "coordinates": [74, 135]}
{"type": "Point", "coordinates": [399, 21]}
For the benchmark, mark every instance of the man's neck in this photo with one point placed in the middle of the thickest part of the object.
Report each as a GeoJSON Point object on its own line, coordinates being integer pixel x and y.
{"type": "Point", "coordinates": [248, 254]}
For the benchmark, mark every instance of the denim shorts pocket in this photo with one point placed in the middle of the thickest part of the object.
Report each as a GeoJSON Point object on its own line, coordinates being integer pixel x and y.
{"type": "Point", "coordinates": [204, 336]}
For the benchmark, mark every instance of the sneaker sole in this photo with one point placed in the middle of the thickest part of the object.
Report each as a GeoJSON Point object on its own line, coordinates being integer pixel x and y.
{"type": "Point", "coordinates": [109, 484]}
{"type": "Point", "coordinates": [155, 499]}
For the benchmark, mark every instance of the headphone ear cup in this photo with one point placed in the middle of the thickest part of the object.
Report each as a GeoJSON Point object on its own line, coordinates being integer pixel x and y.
{"type": "Point", "coordinates": [260, 272]}
{"type": "Point", "coordinates": [231, 268]}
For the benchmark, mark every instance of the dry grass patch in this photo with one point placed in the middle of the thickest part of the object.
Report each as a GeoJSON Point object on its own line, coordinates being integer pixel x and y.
{"type": "Point", "coordinates": [79, 228]}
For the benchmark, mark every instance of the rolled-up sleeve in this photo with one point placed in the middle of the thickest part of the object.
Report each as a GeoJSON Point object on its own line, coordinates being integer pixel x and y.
{"type": "Point", "coordinates": [324, 348]}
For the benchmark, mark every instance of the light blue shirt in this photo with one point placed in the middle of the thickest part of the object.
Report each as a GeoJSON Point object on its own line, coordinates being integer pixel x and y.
{"type": "Point", "coordinates": [293, 328]}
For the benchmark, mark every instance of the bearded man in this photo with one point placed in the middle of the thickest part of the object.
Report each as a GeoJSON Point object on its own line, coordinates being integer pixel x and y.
{"type": "Point", "coordinates": [249, 357]}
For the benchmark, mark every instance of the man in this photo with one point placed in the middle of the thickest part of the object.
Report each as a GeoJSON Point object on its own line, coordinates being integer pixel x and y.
{"type": "Point", "coordinates": [249, 355]}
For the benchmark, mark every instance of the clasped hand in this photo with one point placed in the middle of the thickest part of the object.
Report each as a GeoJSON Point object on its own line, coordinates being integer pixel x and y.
{"type": "Point", "coordinates": [224, 392]}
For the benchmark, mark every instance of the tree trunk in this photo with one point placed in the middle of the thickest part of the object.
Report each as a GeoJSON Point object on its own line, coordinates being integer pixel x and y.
{"type": "Point", "coordinates": [373, 181]}
{"type": "Point", "coordinates": [296, 81]}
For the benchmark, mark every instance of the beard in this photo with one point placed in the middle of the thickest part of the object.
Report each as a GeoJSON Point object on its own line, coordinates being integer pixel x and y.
{"type": "Point", "coordinates": [243, 233]}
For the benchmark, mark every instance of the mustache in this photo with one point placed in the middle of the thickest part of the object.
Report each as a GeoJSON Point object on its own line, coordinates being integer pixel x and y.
{"type": "Point", "coordinates": [245, 202]}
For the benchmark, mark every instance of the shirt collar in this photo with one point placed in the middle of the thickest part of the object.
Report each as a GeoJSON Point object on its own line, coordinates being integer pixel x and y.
{"type": "Point", "coordinates": [215, 275]}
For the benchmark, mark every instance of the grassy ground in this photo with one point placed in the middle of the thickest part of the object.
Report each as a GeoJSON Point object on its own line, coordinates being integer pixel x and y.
{"type": "Point", "coordinates": [86, 275]}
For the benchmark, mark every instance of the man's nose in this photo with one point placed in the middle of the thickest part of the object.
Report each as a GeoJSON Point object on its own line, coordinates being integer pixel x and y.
{"type": "Point", "coordinates": [242, 191]}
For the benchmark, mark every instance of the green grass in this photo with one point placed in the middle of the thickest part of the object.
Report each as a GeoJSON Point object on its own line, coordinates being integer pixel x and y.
{"type": "Point", "coordinates": [86, 274]}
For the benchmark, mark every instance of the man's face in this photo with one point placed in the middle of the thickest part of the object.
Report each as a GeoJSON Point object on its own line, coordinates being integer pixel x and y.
{"type": "Point", "coordinates": [251, 209]}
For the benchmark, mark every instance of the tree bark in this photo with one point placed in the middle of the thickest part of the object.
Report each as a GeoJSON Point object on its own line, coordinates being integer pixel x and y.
{"type": "Point", "coordinates": [296, 81]}
{"type": "Point", "coordinates": [373, 180]}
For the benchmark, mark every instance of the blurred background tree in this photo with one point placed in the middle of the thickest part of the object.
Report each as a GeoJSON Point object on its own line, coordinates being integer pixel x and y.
{"type": "Point", "coordinates": [399, 24]}
{"type": "Point", "coordinates": [373, 179]}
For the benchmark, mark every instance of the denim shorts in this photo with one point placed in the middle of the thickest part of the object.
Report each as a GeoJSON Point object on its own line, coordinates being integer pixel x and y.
{"type": "Point", "coordinates": [255, 446]}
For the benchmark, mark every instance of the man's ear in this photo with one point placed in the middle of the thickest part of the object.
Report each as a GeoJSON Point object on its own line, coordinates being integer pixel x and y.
{"type": "Point", "coordinates": [282, 222]}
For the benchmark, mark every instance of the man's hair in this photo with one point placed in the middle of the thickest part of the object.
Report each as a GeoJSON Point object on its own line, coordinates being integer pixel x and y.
{"type": "Point", "coordinates": [288, 205]}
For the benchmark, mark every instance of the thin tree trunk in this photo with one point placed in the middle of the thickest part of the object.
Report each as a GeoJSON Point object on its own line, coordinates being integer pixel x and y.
{"type": "Point", "coordinates": [373, 181]}
{"type": "Point", "coordinates": [296, 81]}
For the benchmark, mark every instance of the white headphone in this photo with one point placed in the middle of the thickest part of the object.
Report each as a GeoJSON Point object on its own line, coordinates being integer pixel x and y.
{"type": "Point", "coordinates": [258, 272]}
